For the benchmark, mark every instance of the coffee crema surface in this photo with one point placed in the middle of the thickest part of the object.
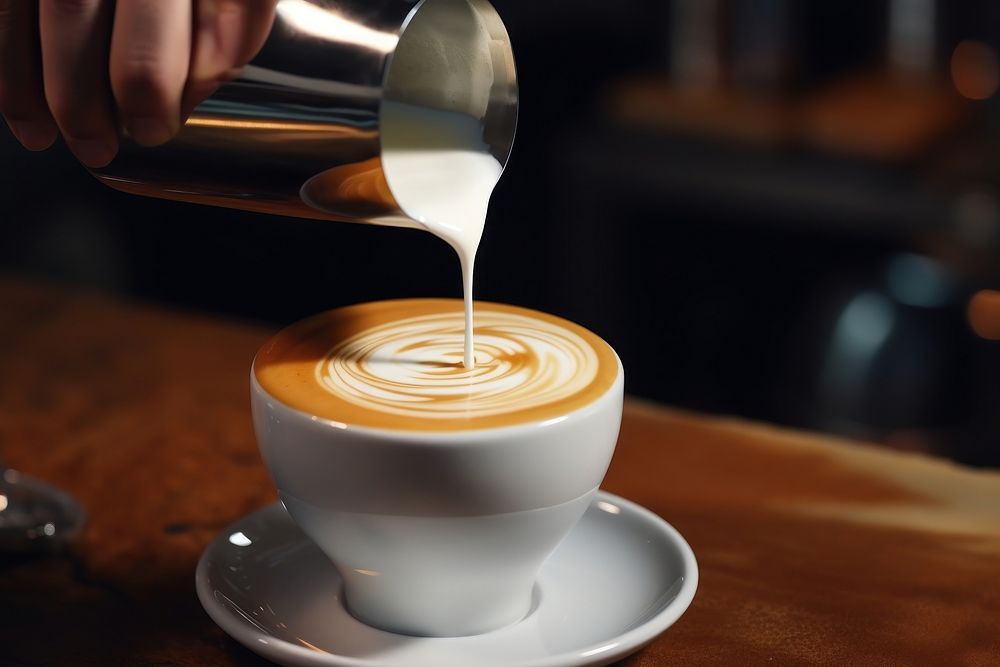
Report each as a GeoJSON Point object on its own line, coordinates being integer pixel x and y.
{"type": "Point", "coordinates": [399, 365]}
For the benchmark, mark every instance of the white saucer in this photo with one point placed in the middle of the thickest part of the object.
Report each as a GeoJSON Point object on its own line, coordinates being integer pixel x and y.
{"type": "Point", "coordinates": [621, 577]}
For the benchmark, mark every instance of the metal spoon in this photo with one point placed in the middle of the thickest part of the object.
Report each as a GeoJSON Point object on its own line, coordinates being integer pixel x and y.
{"type": "Point", "coordinates": [35, 516]}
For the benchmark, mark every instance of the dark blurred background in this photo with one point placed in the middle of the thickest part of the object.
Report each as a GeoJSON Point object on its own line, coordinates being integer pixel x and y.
{"type": "Point", "coordinates": [782, 210]}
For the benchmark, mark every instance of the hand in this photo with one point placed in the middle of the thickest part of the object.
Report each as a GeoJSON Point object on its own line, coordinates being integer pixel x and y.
{"type": "Point", "coordinates": [90, 68]}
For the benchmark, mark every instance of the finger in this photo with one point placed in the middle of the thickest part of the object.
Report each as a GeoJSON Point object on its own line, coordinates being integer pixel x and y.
{"type": "Point", "coordinates": [227, 35]}
{"type": "Point", "coordinates": [74, 37]}
{"type": "Point", "coordinates": [150, 53]}
{"type": "Point", "coordinates": [22, 98]}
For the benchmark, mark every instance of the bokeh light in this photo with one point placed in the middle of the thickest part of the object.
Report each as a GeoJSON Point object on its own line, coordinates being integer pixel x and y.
{"type": "Point", "coordinates": [974, 70]}
{"type": "Point", "coordinates": [984, 314]}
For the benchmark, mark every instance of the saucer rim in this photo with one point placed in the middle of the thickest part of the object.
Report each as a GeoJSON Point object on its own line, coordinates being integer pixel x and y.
{"type": "Point", "coordinates": [608, 650]}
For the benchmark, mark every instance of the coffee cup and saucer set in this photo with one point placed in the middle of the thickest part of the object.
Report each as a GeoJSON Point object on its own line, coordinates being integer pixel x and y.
{"type": "Point", "coordinates": [619, 579]}
{"type": "Point", "coordinates": [482, 541]}
{"type": "Point", "coordinates": [436, 509]}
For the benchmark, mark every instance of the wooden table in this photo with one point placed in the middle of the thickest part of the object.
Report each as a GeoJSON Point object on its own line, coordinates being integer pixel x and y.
{"type": "Point", "coordinates": [812, 550]}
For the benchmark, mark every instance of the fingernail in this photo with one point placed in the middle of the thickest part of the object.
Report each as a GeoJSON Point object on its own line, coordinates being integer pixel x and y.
{"type": "Point", "coordinates": [35, 135]}
{"type": "Point", "coordinates": [149, 131]}
{"type": "Point", "coordinates": [92, 152]}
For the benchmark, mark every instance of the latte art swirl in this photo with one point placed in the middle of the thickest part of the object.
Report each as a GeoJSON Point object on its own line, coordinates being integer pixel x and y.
{"type": "Point", "coordinates": [400, 365]}
{"type": "Point", "coordinates": [413, 367]}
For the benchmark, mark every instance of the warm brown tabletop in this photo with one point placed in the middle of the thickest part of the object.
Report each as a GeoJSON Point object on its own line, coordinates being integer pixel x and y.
{"type": "Point", "coordinates": [812, 550]}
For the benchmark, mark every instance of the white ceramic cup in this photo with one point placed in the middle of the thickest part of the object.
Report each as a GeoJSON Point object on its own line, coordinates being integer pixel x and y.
{"type": "Point", "coordinates": [443, 533]}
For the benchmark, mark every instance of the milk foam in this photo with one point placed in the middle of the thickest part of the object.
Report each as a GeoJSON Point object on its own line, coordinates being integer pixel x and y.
{"type": "Point", "coordinates": [399, 365]}
{"type": "Point", "coordinates": [410, 367]}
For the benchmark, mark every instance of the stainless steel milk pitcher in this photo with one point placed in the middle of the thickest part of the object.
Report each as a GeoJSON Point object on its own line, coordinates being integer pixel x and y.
{"type": "Point", "coordinates": [299, 133]}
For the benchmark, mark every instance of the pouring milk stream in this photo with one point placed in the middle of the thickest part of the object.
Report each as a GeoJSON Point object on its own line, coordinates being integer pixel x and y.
{"type": "Point", "coordinates": [449, 187]}
{"type": "Point", "coordinates": [437, 164]}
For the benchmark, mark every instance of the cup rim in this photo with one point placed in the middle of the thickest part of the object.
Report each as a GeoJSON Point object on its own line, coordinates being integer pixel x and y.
{"type": "Point", "coordinates": [436, 435]}
{"type": "Point", "coordinates": [443, 436]}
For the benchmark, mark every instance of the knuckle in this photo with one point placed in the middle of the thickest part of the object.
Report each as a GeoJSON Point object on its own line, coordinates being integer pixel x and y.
{"type": "Point", "coordinates": [140, 84]}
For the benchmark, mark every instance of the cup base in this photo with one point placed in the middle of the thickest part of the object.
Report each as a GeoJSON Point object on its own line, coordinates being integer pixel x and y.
{"type": "Point", "coordinates": [438, 576]}
{"type": "Point", "coordinates": [510, 613]}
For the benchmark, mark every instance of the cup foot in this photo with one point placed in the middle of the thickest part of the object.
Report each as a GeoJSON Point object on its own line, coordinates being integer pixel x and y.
{"type": "Point", "coordinates": [438, 576]}
{"type": "Point", "coordinates": [509, 614]}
